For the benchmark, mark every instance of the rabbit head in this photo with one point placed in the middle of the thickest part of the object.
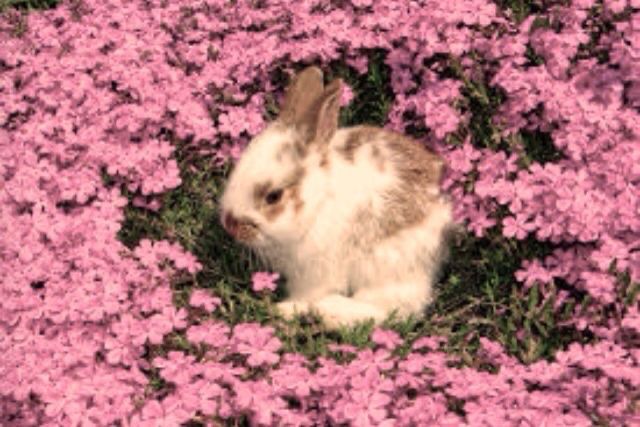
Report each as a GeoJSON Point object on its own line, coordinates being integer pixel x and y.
{"type": "Point", "coordinates": [262, 205]}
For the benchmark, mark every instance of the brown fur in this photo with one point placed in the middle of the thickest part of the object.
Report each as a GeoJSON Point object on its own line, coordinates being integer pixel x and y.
{"type": "Point", "coordinates": [310, 107]}
{"type": "Point", "coordinates": [294, 196]}
{"type": "Point", "coordinates": [324, 159]}
{"type": "Point", "coordinates": [294, 151]}
{"type": "Point", "coordinates": [418, 167]}
{"type": "Point", "coordinates": [246, 232]}
{"type": "Point", "coordinates": [271, 212]}
{"type": "Point", "coordinates": [378, 157]}
{"type": "Point", "coordinates": [419, 172]}
{"type": "Point", "coordinates": [323, 119]}
{"type": "Point", "coordinates": [301, 94]}
{"type": "Point", "coordinates": [357, 137]}
{"type": "Point", "coordinates": [260, 191]}
{"type": "Point", "coordinates": [406, 204]}
{"type": "Point", "coordinates": [290, 195]}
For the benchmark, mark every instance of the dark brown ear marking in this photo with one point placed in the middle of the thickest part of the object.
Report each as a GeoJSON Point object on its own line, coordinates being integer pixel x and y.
{"type": "Point", "coordinates": [301, 94]}
{"type": "Point", "coordinates": [326, 122]}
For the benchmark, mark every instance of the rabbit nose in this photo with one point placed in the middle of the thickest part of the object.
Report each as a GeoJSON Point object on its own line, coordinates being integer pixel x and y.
{"type": "Point", "coordinates": [242, 229]}
{"type": "Point", "coordinates": [230, 223]}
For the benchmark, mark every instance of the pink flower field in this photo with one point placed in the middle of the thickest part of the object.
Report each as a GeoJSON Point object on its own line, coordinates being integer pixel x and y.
{"type": "Point", "coordinates": [535, 106]}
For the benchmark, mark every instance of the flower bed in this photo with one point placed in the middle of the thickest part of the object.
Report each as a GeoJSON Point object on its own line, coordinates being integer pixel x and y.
{"type": "Point", "coordinates": [537, 116]}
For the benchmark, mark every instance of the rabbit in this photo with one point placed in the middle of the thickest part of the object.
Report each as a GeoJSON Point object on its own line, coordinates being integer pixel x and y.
{"type": "Point", "coordinates": [353, 217]}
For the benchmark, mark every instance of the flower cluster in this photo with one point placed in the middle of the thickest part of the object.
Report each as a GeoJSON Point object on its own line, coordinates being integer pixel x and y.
{"type": "Point", "coordinates": [99, 90]}
{"type": "Point", "coordinates": [588, 198]}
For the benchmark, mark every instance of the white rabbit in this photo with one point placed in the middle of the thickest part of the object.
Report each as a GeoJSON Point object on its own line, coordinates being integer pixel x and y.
{"type": "Point", "coordinates": [353, 217]}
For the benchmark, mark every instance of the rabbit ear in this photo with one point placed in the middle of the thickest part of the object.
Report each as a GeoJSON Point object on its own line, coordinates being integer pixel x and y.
{"type": "Point", "coordinates": [301, 94]}
{"type": "Point", "coordinates": [324, 118]}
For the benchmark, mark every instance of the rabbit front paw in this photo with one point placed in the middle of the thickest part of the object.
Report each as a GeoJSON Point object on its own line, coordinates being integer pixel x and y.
{"type": "Point", "coordinates": [289, 308]}
{"type": "Point", "coordinates": [337, 311]}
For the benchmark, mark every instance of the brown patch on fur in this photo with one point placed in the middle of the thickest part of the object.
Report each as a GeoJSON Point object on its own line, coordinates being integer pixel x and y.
{"type": "Point", "coordinates": [271, 212]}
{"type": "Point", "coordinates": [290, 195]}
{"type": "Point", "coordinates": [356, 138]}
{"type": "Point", "coordinates": [300, 149]}
{"type": "Point", "coordinates": [284, 151]}
{"type": "Point", "coordinates": [378, 157]}
{"type": "Point", "coordinates": [419, 171]}
{"type": "Point", "coordinates": [294, 195]}
{"type": "Point", "coordinates": [296, 149]}
{"type": "Point", "coordinates": [246, 232]}
{"type": "Point", "coordinates": [401, 211]}
{"type": "Point", "coordinates": [260, 191]}
{"type": "Point", "coordinates": [324, 159]}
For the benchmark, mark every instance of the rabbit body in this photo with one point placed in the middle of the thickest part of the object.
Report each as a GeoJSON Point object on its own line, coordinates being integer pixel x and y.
{"type": "Point", "coordinates": [353, 217]}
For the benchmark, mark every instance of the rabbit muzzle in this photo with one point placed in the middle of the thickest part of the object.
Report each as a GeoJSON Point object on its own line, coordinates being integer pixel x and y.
{"type": "Point", "coordinates": [242, 229]}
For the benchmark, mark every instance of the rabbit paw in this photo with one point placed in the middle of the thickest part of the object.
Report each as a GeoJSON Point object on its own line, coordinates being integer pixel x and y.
{"type": "Point", "coordinates": [338, 311]}
{"type": "Point", "coordinates": [290, 308]}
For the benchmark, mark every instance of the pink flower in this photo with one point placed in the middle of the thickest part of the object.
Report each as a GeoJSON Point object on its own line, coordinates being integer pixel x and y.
{"type": "Point", "coordinates": [161, 324]}
{"type": "Point", "coordinates": [430, 342]}
{"type": "Point", "coordinates": [386, 338]}
{"type": "Point", "coordinates": [479, 220]}
{"type": "Point", "coordinates": [177, 367]}
{"type": "Point", "coordinates": [601, 286]}
{"type": "Point", "coordinates": [215, 334]}
{"type": "Point", "coordinates": [202, 298]}
{"type": "Point", "coordinates": [347, 95]}
{"type": "Point", "coordinates": [262, 280]}
{"type": "Point", "coordinates": [342, 348]}
{"type": "Point", "coordinates": [532, 272]}
{"type": "Point", "coordinates": [462, 158]}
{"type": "Point", "coordinates": [616, 6]}
{"type": "Point", "coordinates": [517, 226]}
{"type": "Point", "coordinates": [256, 342]}
{"type": "Point", "coordinates": [632, 319]}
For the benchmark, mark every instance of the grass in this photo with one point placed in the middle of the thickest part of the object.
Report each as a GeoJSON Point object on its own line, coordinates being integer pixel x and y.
{"type": "Point", "coordinates": [27, 5]}
{"type": "Point", "coordinates": [477, 294]}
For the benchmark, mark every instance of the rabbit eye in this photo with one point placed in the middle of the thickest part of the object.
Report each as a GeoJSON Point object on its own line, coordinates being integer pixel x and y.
{"type": "Point", "coordinates": [273, 197]}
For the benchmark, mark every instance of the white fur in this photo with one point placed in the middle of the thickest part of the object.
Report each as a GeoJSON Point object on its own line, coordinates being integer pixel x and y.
{"type": "Point", "coordinates": [326, 252]}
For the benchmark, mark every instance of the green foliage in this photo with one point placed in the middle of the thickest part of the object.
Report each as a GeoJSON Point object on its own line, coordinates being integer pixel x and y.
{"type": "Point", "coordinates": [520, 9]}
{"type": "Point", "coordinates": [538, 147]}
{"type": "Point", "coordinates": [372, 91]}
{"type": "Point", "coordinates": [28, 4]}
{"type": "Point", "coordinates": [478, 296]}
